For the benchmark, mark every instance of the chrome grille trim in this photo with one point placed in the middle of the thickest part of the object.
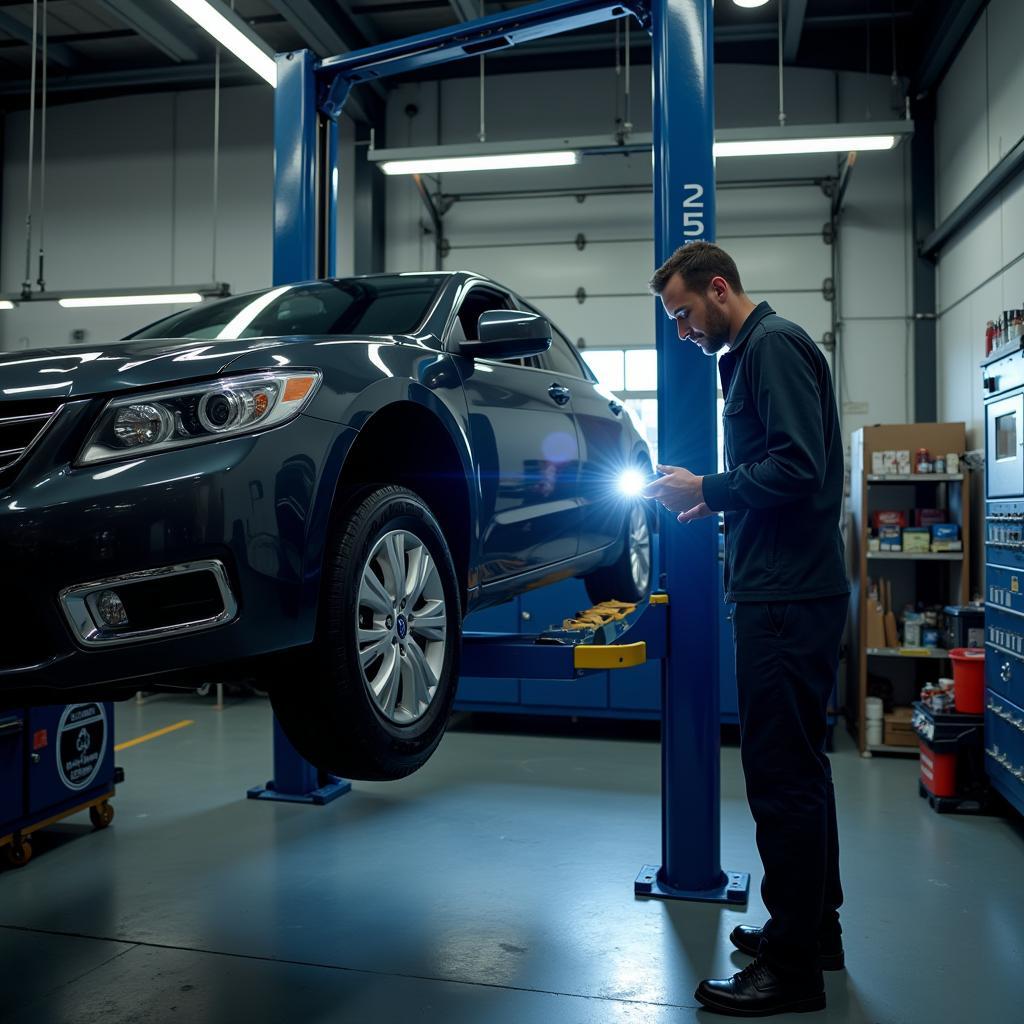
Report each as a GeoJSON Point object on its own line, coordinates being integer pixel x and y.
{"type": "Point", "coordinates": [9, 457]}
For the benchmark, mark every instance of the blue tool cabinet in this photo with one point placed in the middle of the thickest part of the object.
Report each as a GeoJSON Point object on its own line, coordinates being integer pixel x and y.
{"type": "Point", "coordinates": [54, 761]}
{"type": "Point", "coordinates": [1003, 383]}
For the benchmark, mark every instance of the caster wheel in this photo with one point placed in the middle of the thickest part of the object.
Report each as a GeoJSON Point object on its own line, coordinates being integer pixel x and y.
{"type": "Point", "coordinates": [101, 815]}
{"type": "Point", "coordinates": [19, 853]}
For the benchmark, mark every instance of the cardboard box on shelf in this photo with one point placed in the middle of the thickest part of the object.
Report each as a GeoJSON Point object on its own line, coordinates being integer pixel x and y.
{"type": "Point", "coordinates": [929, 516]}
{"type": "Point", "coordinates": [916, 538]}
{"type": "Point", "coordinates": [890, 538]}
{"type": "Point", "coordinates": [945, 531]}
{"type": "Point", "coordinates": [898, 731]}
{"type": "Point", "coordinates": [888, 517]}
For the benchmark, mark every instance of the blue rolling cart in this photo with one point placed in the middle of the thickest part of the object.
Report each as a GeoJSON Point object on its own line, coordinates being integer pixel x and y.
{"type": "Point", "coordinates": [55, 761]}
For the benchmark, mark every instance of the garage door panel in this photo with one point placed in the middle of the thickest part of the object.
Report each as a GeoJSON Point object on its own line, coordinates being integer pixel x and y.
{"type": "Point", "coordinates": [561, 219]}
{"type": "Point", "coordinates": [781, 264]}
{"type": "Point", "coordinates": [617, 268]}
{"type": "Point", "coordinates": [746, 211]}
{"type": "Point", "coordinates": [811, 312]}
{"type": "Point", "coordinates": [603, 323]}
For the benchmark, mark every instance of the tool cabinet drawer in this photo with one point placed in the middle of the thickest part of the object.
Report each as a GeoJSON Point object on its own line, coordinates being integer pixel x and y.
{"type": "Point", "coordinates": [1004, 589]}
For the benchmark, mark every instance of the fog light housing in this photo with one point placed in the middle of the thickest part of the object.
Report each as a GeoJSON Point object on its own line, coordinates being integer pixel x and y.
{"type": "Point", "coordinates": [110, 609]}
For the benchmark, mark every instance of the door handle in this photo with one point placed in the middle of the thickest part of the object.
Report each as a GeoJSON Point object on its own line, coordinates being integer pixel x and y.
{"type": "Point", "coordinates": [560, 393]}
{"type": "Point", "coordinates": [616, 407]}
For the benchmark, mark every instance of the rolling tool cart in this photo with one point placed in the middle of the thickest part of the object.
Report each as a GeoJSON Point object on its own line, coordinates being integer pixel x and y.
{"type": "Point", "coordinates": [54, 762]}
{"type": "Point", "coordinates": [952, 748]}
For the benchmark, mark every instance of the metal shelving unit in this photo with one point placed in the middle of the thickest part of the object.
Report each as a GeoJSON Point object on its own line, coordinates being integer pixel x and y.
{"type": "Point", "coordinates": [912, 478]}
{"type": "Point", "coordinates": [939, 577]}
{"type": "Point", "coordinates": [917, 556]}
{"type": "Point", "coordinates": [906, 652]}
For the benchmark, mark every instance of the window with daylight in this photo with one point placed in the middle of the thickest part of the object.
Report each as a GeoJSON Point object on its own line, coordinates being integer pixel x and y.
{"type": "Point", "coordinates": [632, 373]}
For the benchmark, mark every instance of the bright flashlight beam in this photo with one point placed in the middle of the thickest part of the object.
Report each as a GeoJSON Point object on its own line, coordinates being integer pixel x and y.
{"type": "Point", "coordinates": [631, 483]}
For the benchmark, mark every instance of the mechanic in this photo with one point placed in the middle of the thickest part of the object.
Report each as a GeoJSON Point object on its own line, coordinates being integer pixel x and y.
{"type": "Point", "coordinates": [782, 495]}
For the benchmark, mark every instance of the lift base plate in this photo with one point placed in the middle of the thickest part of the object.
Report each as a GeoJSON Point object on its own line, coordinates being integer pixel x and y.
{"type": "Point", "coordinates": [735, 888]}
{"type": "Point", "coordinates": [324, 795]}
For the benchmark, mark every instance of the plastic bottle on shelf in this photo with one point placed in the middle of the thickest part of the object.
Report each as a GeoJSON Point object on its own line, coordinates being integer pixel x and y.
{"type": "Point", "coordinates": [990, 333]}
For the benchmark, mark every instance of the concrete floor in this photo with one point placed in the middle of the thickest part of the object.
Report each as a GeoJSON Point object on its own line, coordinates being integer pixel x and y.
{"type": "Point", "coordinates": [494, 887]}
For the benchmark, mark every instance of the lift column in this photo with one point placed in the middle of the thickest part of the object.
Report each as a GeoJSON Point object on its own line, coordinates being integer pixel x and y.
{"type": "Point", "coordinates": [683, 119]}
{"type": "Point", "coordinates": [305, 216]}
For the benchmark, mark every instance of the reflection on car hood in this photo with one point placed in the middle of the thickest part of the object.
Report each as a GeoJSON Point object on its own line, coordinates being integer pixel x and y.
{"type": "Point", "coordinates": [80, 371]}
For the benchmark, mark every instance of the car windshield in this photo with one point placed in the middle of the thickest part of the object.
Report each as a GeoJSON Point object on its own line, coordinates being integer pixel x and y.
{"type": "Point", "coordinates": [374, 305]}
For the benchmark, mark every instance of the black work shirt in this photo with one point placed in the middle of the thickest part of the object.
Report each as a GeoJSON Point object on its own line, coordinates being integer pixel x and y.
{"type": "Point", "coordinates": [782, 492]}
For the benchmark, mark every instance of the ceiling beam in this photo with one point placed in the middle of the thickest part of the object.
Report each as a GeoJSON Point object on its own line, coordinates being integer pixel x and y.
{"type": "Point", "coordinates": [943, 43]}
{"type": "Point", "coordinates": [57, 52]}
{"type": "Point", "coordinates": [319, 28]}
{"type": "Point", "coordinates": [151, 28]}
{"type": "Point", "coordinates": [364, 25]}
{"type": "Point", "coordinates": [793, 19]}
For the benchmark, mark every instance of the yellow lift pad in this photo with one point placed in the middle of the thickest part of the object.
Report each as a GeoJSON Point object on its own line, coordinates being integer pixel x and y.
{"type": "Point", "coordinates": [610, 655]}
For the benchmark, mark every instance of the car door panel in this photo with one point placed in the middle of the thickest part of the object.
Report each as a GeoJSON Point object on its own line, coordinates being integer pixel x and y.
{"type": "Point", "coordinates": [525, 444]}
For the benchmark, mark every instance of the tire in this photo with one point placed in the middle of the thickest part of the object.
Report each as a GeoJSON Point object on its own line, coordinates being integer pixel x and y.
{"type": "Point", "coordinates": [629, 577]}
{"type": "Point", "coordinates": [380, 687]}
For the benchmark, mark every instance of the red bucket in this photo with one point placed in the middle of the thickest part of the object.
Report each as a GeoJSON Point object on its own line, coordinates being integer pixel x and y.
{"type": "Point", "coordinates": [969, 680]}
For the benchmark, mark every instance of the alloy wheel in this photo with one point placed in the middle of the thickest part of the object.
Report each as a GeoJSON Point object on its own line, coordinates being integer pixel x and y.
{"type": "Point", "coordinates": [401, 627]}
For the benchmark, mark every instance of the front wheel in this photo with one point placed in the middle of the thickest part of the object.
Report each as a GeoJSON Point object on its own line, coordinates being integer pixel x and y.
{"type": "Point", "coordinates": [628, 578]}
{"type": "Point", "coordinates": [384, 667]}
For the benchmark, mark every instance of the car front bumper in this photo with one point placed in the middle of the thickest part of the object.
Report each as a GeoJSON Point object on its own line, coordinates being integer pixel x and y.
{"type": "Point", "coordinates": [257, 506]}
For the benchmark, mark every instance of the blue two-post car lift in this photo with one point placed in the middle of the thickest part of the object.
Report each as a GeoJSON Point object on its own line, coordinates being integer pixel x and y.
{"type": "Point", "coordinates": [682, 632]}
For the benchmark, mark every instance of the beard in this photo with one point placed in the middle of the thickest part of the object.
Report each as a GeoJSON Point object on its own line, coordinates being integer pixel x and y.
{"type": "Point", "coordinates": [716, 336]}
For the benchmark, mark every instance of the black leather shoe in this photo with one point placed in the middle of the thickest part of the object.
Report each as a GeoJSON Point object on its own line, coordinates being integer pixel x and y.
{"type": "Point", "coordinates": [757, 991]}
{"type": "Point", "coordinates": [747, 939]}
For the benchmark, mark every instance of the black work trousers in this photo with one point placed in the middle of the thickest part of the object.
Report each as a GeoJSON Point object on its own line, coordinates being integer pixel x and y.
{"type": "Point", "coordinates": [787, 656]}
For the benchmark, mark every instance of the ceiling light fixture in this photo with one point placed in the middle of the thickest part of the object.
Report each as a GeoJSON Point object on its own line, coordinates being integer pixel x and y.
{"type": "Point", "coordinates": [494, 162]}
{"type": "Point", "coordinates": [750, 3]}
{"type": "Point", "coordinates": [233, 34]}
{"type": "Point", "coordinates": [787, 140]}
{"type": "Point", "coordinates": [170, 295]}
{"type": "Point", "coordinates": [794, 147]}
{"type": "Point", "coordinates": [167, 299]}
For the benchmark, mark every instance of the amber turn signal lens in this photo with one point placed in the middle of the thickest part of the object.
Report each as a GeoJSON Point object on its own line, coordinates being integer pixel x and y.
{"type": "Point", "coordinates": [297, 388]}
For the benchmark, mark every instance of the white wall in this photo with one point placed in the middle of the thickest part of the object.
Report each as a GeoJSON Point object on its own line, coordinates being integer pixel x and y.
{"type": "Point", "coordinates": [980, 119]}
{"type": "Point", "coordinates": [129, 203]}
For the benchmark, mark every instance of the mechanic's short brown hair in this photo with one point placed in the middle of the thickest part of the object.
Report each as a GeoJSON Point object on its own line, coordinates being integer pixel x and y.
{"type": "Point", "coordinates": [698, 262]}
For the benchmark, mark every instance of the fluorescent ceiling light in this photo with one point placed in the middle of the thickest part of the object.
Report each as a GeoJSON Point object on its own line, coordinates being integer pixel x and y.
{"type": "Point", "coordinates": [750, 3]}
{"type": "Point", "coordinates": [170, 299]}
{"type": "Point", "coordinates": [6, 304]}
{"type": "Point", "coordinates": [209, 17]}
{"type": "Point", "coordinates": [493, 162]}
{"type": "Point", "coordinates": [566, 151]}
{"type": "Point", "coordinates": [789, 147]}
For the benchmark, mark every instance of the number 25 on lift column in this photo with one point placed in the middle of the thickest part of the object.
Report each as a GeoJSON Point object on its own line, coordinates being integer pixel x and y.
{"type": "Point", "coordinates": [693, 211]}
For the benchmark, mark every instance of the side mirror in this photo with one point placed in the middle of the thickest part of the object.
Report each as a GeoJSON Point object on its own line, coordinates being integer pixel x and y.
{"type": "Point", "coordinates": [508, 334]}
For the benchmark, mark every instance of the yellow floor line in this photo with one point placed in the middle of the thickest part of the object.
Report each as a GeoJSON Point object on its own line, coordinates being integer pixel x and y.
{"type": "Point", "coordinates": [153, 735]}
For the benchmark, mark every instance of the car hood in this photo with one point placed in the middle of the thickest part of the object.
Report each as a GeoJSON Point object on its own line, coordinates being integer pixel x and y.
{"type": "Point", "coordinates": [82, 371]}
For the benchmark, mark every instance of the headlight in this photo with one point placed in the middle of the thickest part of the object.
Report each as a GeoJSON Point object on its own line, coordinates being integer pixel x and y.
{"type": "Point", "coordinates": [200, 412]}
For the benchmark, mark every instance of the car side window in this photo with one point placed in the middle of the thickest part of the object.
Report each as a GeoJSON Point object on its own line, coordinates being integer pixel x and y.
{"type": "Point", "coordinates": [479, 300]}
{"type": "Point", "coordinates": [467, 324]}
{"type": "Point", "coordinates": [560, 358]}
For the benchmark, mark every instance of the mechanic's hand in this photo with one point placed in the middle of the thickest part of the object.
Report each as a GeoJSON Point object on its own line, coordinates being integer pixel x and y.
{"type": "Point", "coordinates": [700, 511]}
{"type": "Point", "coordinates": [678, 490]}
